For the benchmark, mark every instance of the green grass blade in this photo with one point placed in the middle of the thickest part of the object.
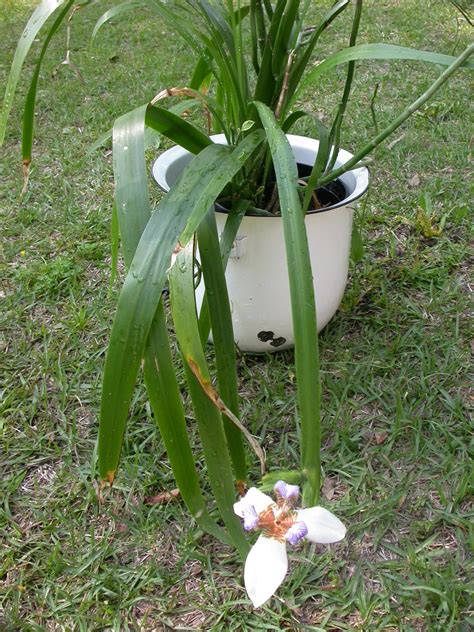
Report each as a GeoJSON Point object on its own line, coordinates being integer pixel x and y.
{"type": "Point", "coordinates": [302, 304]}
{"type": "Point", "coordinates": [208, 417]}
{"type": "Point", "coordinates": [373, 52]}
{"type": "Point", "coordinates": [177, 216]}
{"type": "Point", "coordinates": [29, 110]}
{"type": "Point", "coordinates": [33, 27]}
{"type": "Point", "coordinates": [165, 399]}
{"type": "Point", "coordinates": [113, 12]}
{"type": "Point", "coordinates": [223, 335]}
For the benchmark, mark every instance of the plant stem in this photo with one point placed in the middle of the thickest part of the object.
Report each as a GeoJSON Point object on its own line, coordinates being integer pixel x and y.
{"type": "Point", "coordinates": [442, 79]}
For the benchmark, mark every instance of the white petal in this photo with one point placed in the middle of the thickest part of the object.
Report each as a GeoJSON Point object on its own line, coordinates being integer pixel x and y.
{"type": "Point", "coordinates": [265, 569]}
{"type": "Point", "coordinates": [323, 526]}
{"type": "Point", "coordinates": [254, 497]}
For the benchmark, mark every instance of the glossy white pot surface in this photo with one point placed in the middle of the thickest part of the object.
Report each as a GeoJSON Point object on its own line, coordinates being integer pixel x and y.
{"type": "Point", "coordinates": [256, 274]}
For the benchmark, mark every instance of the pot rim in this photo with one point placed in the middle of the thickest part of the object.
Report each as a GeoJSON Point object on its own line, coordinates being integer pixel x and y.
{"type": "Point", "coordinates": [361, 174]}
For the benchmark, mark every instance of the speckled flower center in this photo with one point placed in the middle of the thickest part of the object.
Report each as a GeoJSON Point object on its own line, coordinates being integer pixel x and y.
{"type": "Point", "coordinates": [275, 521]}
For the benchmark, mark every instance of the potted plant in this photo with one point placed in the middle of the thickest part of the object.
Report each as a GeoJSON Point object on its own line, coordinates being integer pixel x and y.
{"type": "Point", "coordinates": [254, 177]}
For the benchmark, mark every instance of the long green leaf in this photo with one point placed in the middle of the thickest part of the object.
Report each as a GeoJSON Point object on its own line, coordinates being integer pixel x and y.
{"type": "Point", "coordinates": [113, 12]}
{"type": "Point", "coordinates": [163, 392]}
{"type": "Point", "coordinates": [29, 110]}
{"type": "Point", "coordinates": [36, 21]}
{"type": "Point", "coordinates": [335, 133]}
{"type": "Point", "coordinates": [209, 419]}
{"type": "Point", "coordinates": [266, 87]}
{"type": "Point", "coordinates": [302, 303]}
{"type": "Point", "coordinates": [131, 188]}
{"type": "Point", "coordinates": [223, 335]}
{"type": "Point", "coordinates": [133, 200]}
{"type": "Point", "coordinates": [176, 129]}
{"type": "Point", "coordinates": [114, 246]}
{"type": "Point", "coordinates": [229, 234]}
{"type": "Point", "coordinates": [291, 119]}
{"type": "Point", "coordinates": [458, 62]}
{"type": "Point", "coordinates": [177, 216]}
{"type": "Point", "coordinates": [320, 163]}
{"type": "Point", "coordinates": [152, 137]}
{"type": "Point", "coordinates": [374, 51]}
{"type": "Point", "coordinates": [282, 44]}
{"type": "Point", "coordinates": [305, 52]}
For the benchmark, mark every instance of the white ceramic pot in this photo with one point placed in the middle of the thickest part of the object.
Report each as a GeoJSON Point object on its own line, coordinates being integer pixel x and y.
{"type": "Point", "coordinates": [256, 274]}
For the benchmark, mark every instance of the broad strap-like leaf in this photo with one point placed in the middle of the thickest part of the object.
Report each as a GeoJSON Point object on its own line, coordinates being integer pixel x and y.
{"type": "Point", "coordinates": [223, 335]}
{"type": "Point", "coordinates": [152, 136]}
{"type": "Point", "coordinates": [266, 87]}
{"type": "Point", "coordinates": [29, 110]}
{"type": "Point", "coordinates": [131, 186]}
{"type": "Point", "coordinates": [319, 164]}
{"type": "Point", "coordinates": [208, 417]}
{"type": "Point", "coordinates": [233, 221]}
{"type": "Point", "coordinates": [459, 62]}
{"type": "Point", "coordinates": [286, 29]}
{"type": "Point", "coordinates": [30, 32]}
{"type": "Point", "coordinates": [176, 129]}
{"type": "Point", "coordinates": [163, 390]}
{"type": "Point", "coordinates": [306, 52]}
{"type": "Point", "coordinates": [303, 305]}
{"type": "Point", "coordinates": [124, 7]}
{"type": "Point", "coordinates": [374, 52]}
{"type": "Point", "coordinates": [165, 399]}
{"type": "Point", "coordinates": [177, 217]}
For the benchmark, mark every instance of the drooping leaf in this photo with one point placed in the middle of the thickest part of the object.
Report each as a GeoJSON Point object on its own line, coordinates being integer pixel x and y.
{"type": "Point", "coordinates": [118, 9]}
{"type": "Point", "coordinates": [132, 198]}
{"type": "Point", "coordinates": [163, 392]}
{"type": "Point", "coordinates": [374, 52]}
{"type": "Point", "coordinates": [177, 216]}
{"type": "Point", "coordinates": [223, 335]}
{"type": "Point", "coordinates": [208, 417]}
{"type": "Point", "coordinates": [303, 305]}
{"type": "Point", "coordinates": [131, 188]}
{"type": "Point", "coordinates": [30, 32]}
{"type": "Point", "coordinates": [176, 129]}
{"type": "Point", "coordinates": [30, 101]}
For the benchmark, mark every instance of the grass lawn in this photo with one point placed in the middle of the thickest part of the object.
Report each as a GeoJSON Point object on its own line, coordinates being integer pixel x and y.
{"type": "Point", "coordinates": [395, 363]}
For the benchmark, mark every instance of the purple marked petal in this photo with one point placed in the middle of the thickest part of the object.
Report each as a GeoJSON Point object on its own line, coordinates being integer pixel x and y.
{"type": "Point", "coordinates": [285, 491]}
{"type": "Point", "coordinates": [250, 518]}
{"type": "Point", "coordinates": [296, 532]}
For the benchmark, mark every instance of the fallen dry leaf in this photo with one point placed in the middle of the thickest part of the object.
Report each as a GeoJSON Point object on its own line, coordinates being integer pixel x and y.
{"type": "Point", "coordinates": [328, 488]}
{"type": "Point", "coordinates": [414, 181]}
{"type": "Point", "coordinates": [380, 437]}
{"type": "Point", "coordinates": [163, 497]}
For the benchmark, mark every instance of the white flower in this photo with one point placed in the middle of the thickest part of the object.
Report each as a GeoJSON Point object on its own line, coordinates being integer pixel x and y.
{"type": "Point", "coordinates": [267, 563]}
